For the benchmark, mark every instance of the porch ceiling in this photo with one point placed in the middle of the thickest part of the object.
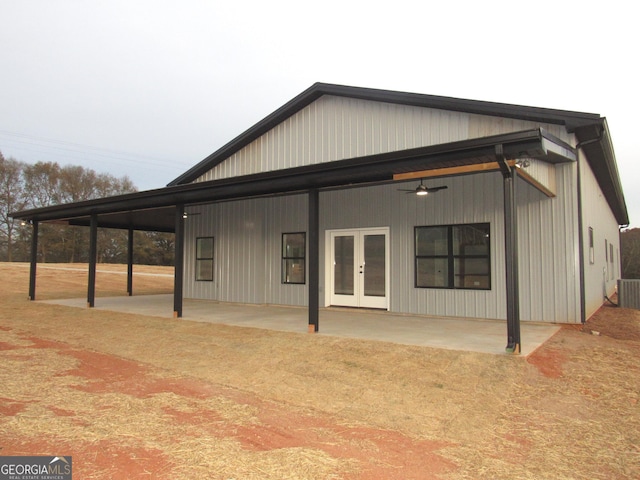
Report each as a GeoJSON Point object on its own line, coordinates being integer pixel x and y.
{"type": "Point", "coordinates": [155, 210]}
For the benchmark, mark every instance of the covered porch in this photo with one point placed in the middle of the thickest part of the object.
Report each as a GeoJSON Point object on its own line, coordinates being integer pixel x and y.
{"type": "Point", "coordinates": [463, 334]}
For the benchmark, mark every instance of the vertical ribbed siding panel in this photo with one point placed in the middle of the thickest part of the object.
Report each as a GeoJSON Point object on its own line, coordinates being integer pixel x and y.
{"type": "Point", "coordinates": [549, 281]}
{"type": "Point", "coordinates": [239, 244]}
{"type": "Point", "coordinates": [286, 214]}
{"type": "Point", "coordinates": [597, 215]}
{"type": "Point", "coordinates": [335, 128]}
{"type": "Point", "coordinates": [469, 199]}
{"type": "Point", "coordinates": [248, 245]}
{"type": "Point", "coordinates": [247, 256]}
{"type": "Point", "coordinates": [201, 222]}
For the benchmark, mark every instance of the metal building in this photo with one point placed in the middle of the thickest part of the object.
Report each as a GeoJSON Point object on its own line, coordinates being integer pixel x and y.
{"type": "Point", "coordinates": [410, 203]}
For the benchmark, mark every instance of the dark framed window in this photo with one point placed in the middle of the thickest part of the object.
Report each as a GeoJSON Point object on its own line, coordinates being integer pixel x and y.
{"type": "Point", "coordinates": [453, 256]}
{"type": "Point", "coordinates": [592, 258]}
{"type": "Point", "coordinates": [294, 251]}
{"type": "Point", "coordinates": [204, 259]}
{"type": "Point", "coordinates": [611, 272]}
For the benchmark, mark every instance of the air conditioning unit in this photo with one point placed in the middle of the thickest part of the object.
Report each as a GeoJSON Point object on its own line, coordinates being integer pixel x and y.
{"type": "Point", "coordinates": [629, 293]}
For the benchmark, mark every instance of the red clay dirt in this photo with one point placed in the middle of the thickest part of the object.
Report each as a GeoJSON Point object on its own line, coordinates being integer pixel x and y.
{"type": "Point", "coordinates": [379, 454]}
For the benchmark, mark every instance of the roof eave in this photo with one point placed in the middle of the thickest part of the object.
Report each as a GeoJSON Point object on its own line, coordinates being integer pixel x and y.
{"type": "Point", "coordinates": [595, 141]}
{"type": "Point", "coordinates": [356, 171]}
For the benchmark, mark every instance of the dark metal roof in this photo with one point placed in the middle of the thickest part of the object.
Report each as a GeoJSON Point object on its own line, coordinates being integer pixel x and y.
{"type": "Point", "coordinates": [155, 209]}
{"type": "Point", "coordinates": [571, 120]}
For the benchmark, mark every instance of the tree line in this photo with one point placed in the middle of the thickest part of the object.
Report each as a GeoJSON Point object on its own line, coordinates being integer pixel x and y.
{"type": "Point", "coordinates": [24, 186]}
{"type": "Point", "coordinates": [630, 248]}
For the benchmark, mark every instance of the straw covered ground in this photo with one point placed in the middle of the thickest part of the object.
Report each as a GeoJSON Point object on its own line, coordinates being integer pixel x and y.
{"type": "Point", "coordinates": [135, 397]}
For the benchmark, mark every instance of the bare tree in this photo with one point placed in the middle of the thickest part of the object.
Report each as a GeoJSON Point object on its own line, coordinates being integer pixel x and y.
{"type": "Point", "coordinates": [12, 198]}
{"type": "Point", "coordinates": [630, 247]}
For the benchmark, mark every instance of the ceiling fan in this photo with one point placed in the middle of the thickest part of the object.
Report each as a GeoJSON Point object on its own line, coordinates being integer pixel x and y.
{"type": "Point", "coordinates": [422, 189]}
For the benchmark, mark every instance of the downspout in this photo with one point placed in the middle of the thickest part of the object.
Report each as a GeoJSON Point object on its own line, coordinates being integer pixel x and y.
{"type": "Point", "coordinates": [509, 179]}
{"type": "Point", "coordinates": [583, 296]}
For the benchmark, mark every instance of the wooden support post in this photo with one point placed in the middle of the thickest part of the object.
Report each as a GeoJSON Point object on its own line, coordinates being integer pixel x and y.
{"type": "Point", "coordinates": [314, 260]}
{"type": "Point", "coordinates": [34, 261]}
{"type": "Point", "coordinates": [93, 254]}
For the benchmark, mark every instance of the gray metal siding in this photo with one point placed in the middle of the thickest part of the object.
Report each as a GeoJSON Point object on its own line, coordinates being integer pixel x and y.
{"type": "Point", "coordinates": [548, 251]}
{"type": "Point", "coordinates": [248, 244]}
{"type": "Point", "coordinates": [469, 199]}
{"type": "Point", "coordinates": [599, 279]}
{"type": "Point", "coordinates": [337, 128]}
{"type": "Point", "coordinates": [629, 293]}
{"type": "Point", "coordinates": [247, 236]}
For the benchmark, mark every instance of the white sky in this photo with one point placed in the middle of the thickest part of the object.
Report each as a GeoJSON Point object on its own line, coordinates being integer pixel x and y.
{"type": "Point", "coordinates": [148, 88]}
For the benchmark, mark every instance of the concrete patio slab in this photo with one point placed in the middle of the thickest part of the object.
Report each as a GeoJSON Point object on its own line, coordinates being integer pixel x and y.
{"type": "Point", "coordinates": [477, 335]}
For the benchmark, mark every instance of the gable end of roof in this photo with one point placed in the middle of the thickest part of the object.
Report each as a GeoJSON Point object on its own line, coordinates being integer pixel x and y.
{"type": "Point", "coordinates": [571, 120]}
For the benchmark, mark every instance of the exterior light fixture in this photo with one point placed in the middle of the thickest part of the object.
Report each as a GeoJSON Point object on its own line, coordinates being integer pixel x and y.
{"type": "Point", "coordinates": [422, 189]}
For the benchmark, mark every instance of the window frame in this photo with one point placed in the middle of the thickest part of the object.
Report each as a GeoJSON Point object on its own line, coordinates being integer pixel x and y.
{"type": "Point", "coordinates": [199, 259]}
{"type": "Point", "coordinates": [286, 258]}
{"type": "Point", "coordinates": [611, 262]}
{"type": "Point", "coordinates": [451, 257]}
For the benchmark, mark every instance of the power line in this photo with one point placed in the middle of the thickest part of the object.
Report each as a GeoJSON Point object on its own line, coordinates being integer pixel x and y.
{"type": "Point", "coordinates": [26, 141]}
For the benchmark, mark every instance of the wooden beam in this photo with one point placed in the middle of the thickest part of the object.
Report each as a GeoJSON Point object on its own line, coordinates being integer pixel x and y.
{"type": "Point", "coordinates": [534, 183]}
{"type": "Point", "coordinates": [449, 171]}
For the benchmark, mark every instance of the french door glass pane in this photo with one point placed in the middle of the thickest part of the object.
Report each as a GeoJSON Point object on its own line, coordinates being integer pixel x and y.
{"type": "Point", "coordinates": [374, 265]}
{"type": "Point", "coordinates": [343, 274]}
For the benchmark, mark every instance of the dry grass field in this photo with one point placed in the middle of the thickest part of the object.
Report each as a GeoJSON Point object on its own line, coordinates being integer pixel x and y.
{"type": "Point", "coordinates": [135, 397]}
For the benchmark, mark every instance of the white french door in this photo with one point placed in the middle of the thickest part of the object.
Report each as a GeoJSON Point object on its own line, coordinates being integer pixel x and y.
{"type": "Point", "coordinates": [358, 267]}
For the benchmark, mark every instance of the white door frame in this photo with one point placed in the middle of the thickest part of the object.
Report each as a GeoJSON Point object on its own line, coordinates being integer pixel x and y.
{"type": "Point", "coordinates": [358, 300]}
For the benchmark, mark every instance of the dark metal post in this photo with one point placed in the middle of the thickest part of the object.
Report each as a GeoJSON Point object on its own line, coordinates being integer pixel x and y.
{"type": "Point", "coordinates": [34, 261]}
{"type": "Point", "coordinates": [510, 176]}
{"type": "Point", "coordinates": [583, 302]}
{"type": "Point", "coordinates": [179, 262]}
{"type": "Point", "coordinates": [93, 254]}
{"type": "Point", "coordinates": [314, 260]}
{"type": "Point", "coordinates": [130, 263]}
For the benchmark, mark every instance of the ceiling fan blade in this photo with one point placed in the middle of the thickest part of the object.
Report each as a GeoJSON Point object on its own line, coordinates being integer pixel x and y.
{"type": "Point", "coordinates": [435, 189]}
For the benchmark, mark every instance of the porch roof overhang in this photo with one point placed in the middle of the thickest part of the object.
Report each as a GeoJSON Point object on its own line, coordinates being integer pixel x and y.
{"type": "Point", "coordinates": [154, 210]}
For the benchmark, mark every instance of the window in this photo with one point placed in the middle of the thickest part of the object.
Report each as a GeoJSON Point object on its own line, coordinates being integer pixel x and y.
{"type": "Point", "coordinates": [592, 258]}
{"type": "Point", "coordinates": [204, 259]}
{"type": "Point", "coordinates": [293, 257]}
{"type": "Point", "coordinates": [453, 256]}
{"type": "Point", "coordinates": [612, 273]}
